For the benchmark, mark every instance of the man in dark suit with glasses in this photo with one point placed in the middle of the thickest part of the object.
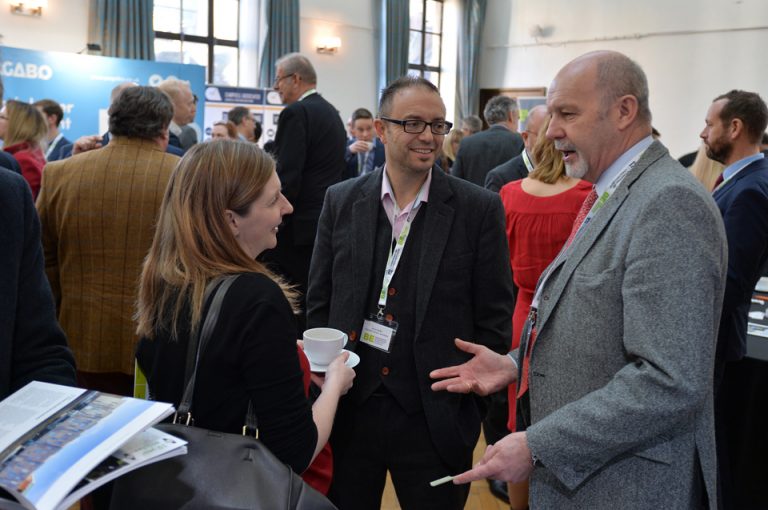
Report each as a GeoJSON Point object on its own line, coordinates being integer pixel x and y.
{"type": "Point", "coordinates": [407, 259]}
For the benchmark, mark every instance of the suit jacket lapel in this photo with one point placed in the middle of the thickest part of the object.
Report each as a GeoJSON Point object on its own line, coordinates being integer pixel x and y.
{"type": "Point", "coordinates": [365, 212]}
{"type": "Point", "coordinates": [752, 167]}
{"type": "Point", "coordinates": [437, 229]}
{"type": "Point", "coordinates": [587, 238]}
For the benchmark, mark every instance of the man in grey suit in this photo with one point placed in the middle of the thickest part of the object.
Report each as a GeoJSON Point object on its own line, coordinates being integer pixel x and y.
{"type": "Point", "coordinates": [521, 165]}
{"type": "Point", "coordinates": [619, 368]}
{"type": "Point", "coordinates": [481, 152]}
{"type": "Point", "coordinates": [402, 303]}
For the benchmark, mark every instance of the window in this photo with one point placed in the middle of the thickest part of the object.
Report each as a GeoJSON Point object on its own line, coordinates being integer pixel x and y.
{"type": "Point", "coordinates": [426, 35]}
{"type": "Point", "coordinates": [203, 32]}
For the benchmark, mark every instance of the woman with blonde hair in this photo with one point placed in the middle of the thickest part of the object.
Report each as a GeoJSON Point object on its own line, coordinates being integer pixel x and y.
{"type": "Point", "coordinates": [704, 169]}
{"type": "Point", "coordinates": [23, 130]}
{"type": "Point", "coordinates": [450, 149]}
{"type": "Point", "coordinates": [540, 211]}
{"type": "Point", "coordinates": [222, 208]}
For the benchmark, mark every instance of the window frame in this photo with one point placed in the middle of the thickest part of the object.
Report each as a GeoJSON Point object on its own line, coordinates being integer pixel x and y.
{"type": "Point", "coordinates": [208, 40]}
{"type": "Point", "coordinates": [423, 68]}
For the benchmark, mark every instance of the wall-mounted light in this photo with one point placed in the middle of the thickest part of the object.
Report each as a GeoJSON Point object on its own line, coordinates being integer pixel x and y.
{"type": "Point", "coordinates": [328, 45]}
{"type": "Point", "coordinates": [29, 8]}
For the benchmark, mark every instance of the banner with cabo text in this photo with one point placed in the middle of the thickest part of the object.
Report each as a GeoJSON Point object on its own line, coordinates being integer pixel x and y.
{"type": "Point", "coordinates": [82, 83]}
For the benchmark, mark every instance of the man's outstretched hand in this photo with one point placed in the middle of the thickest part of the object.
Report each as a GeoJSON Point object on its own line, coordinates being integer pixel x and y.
{"type": "Point", "coordinates": [486, 372]}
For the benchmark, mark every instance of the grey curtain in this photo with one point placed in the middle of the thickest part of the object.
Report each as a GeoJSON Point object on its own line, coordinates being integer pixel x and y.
{"type": "Point", "coordinates": [470, 32]}
{"type": "Point", "coordinates": [395, 25]}
{"type": "Point", "coordinates": [123, 28]}
{"type": "Point", "coordinates": [282, 37]}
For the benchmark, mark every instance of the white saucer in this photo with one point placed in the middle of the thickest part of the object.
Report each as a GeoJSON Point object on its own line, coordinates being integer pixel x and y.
{"type": "Point", "coordinates": [352, 362]}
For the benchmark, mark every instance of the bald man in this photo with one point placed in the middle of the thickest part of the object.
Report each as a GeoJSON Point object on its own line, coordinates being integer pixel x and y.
{"type": "Point", "coordinates": [521, 165]}
{"type": "Point", "coordinates": [619, 367]}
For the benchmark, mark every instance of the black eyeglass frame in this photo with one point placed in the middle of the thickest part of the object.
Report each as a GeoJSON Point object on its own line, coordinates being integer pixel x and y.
{"type": "Point", "coordinates": [278, 79]}
{"type": "Point", "coordinates": [422, 123]}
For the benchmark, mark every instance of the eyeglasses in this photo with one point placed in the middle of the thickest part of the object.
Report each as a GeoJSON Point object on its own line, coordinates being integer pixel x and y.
{"type": "Point", "coordinates": [438, 127]}
{"type": "Point", "coordinates": [278, 79]}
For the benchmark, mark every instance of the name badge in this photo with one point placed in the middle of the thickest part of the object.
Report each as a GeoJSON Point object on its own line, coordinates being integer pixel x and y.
{"type": "Point", "coordinates": [378, 333]}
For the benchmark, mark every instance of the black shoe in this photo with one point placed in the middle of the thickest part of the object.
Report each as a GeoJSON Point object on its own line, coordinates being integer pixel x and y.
{"type": "Point", "coordinates": [499, 489]}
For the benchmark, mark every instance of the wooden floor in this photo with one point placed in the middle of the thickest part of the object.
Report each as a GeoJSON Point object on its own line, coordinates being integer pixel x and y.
{"type": "Point", "coordinates": [480, 497]}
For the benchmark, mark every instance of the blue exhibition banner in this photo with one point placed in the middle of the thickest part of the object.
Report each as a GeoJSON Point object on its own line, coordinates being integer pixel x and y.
{"type": "Point", "coordinates": [82, 83]}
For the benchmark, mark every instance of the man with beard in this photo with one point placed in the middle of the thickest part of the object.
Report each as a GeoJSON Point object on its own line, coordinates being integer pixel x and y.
{"type": "Point", "coordinates": [734, 126]}
{"type": "Point", "coordinates": [616, 365]}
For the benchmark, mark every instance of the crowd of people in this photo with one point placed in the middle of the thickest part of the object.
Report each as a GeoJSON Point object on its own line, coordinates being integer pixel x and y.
{"type": "Point", "coordinates": [559, 281]}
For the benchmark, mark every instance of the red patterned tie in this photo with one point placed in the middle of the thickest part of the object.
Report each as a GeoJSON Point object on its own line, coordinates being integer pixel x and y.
{"type": "Point", "coordinates": [523, 375]}
{"type": "Point", "coordinates": [718, 181]}
{"type": "Point", "coordinates": [583, 212]}
{"type": "Point", "coordinates": [580, 217]}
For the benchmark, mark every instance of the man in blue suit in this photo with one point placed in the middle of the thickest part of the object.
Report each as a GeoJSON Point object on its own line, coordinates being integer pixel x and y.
{"type": "Point", "coordinates": [364, 152]}
{"type": "Point", "coordinates": [735, 124]}
{"type": "Point", "coordinates": [54, 114]}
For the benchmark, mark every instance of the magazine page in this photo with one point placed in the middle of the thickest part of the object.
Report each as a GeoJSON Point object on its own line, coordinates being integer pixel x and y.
{"type": "Point", "coordinates": [149, 446]}
{"type": "Point", "coordinates": [30, 406]}
{"type": "Point", "coordinates": [47, 464]}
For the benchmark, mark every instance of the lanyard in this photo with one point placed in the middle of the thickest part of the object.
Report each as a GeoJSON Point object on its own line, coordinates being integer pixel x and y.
{"type": "Point", "coordinates": [599, 203]}
{"type": "Point", "coordinates": [396, 251]}
{"type": "Point", "coordinates": [53, 144]}
{"type": "Point", "coordinates": [527, 161]}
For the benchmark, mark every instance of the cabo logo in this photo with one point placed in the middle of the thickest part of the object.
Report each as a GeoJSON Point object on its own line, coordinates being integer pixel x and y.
{"type": "Point", "coordinates": [26, 70]}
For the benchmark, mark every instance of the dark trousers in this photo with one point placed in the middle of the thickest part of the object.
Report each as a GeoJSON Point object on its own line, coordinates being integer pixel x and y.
{"type": "Point", "coordinates": [495, 422]}
{"type": "Point", "coordinates": [379, 436]}
{"type": "Point", "coordinates": [741, 421]}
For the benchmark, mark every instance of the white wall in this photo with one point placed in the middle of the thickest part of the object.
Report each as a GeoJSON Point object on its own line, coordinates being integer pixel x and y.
{"type": "Point", "coordinates": [691, 50]}
{"type": "Point", "coordinates": [347, 79]}
{"type": "Point", "coordinates": [718, 45]}
{"type": "Point", "coordinates": [62, 27]}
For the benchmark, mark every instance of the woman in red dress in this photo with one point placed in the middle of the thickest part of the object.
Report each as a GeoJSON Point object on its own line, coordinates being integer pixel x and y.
{"type": "Point", "coordinates": [23, 129]}
{"type": "Point", "coordinates": [540, 211]}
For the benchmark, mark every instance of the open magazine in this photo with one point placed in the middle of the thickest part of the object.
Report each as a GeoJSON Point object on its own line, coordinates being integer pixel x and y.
{"type": "Point", "coordinates": [58, 443]}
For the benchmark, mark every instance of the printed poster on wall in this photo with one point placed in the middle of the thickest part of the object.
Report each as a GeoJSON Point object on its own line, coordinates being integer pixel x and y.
{"type": "Point", "coordinates": [264, 104]}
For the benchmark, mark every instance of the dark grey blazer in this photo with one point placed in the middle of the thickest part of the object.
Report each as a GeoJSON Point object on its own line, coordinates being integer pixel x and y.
{"type": "Point", "coordinates": [512, 170]}
{"type": "Point", "coordinates": [621, 372]}
{"type": "Point", "coordinates": [480, 153]}
{"type": "Point", "coordinates": [464, 289]}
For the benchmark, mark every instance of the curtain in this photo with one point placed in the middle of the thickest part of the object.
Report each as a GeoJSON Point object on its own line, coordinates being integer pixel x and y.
{"type": "Point", "coordinates": [282, 37]}
{"type": "Point", "coordinates": [123, 28]}
{"type": "Point", "coordinates": [470, 32]}
{"type": "Point", "coordinates": [395, 25]}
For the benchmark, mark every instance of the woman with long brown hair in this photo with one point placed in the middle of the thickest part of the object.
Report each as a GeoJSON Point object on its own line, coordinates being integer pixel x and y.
{"type": "Point", "coordinates": [222, 208]}
{"type": "Point", "coordinates": [23, 130]}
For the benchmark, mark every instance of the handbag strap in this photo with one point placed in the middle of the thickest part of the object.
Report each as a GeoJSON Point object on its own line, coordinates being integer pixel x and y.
{"type": "Point", "coordinates": [198, 343]}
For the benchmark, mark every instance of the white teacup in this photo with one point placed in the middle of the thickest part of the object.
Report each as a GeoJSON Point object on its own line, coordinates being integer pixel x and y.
{"type": "Point", "coordinates": [323, 345]}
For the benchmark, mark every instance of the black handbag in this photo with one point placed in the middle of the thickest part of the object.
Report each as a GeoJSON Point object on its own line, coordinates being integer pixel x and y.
{"type": "Point", "coordinates": [220, 470]}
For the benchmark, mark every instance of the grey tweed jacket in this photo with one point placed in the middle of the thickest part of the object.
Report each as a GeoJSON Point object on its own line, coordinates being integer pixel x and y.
{"type": "Point", "coordinates": [621, 372]}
